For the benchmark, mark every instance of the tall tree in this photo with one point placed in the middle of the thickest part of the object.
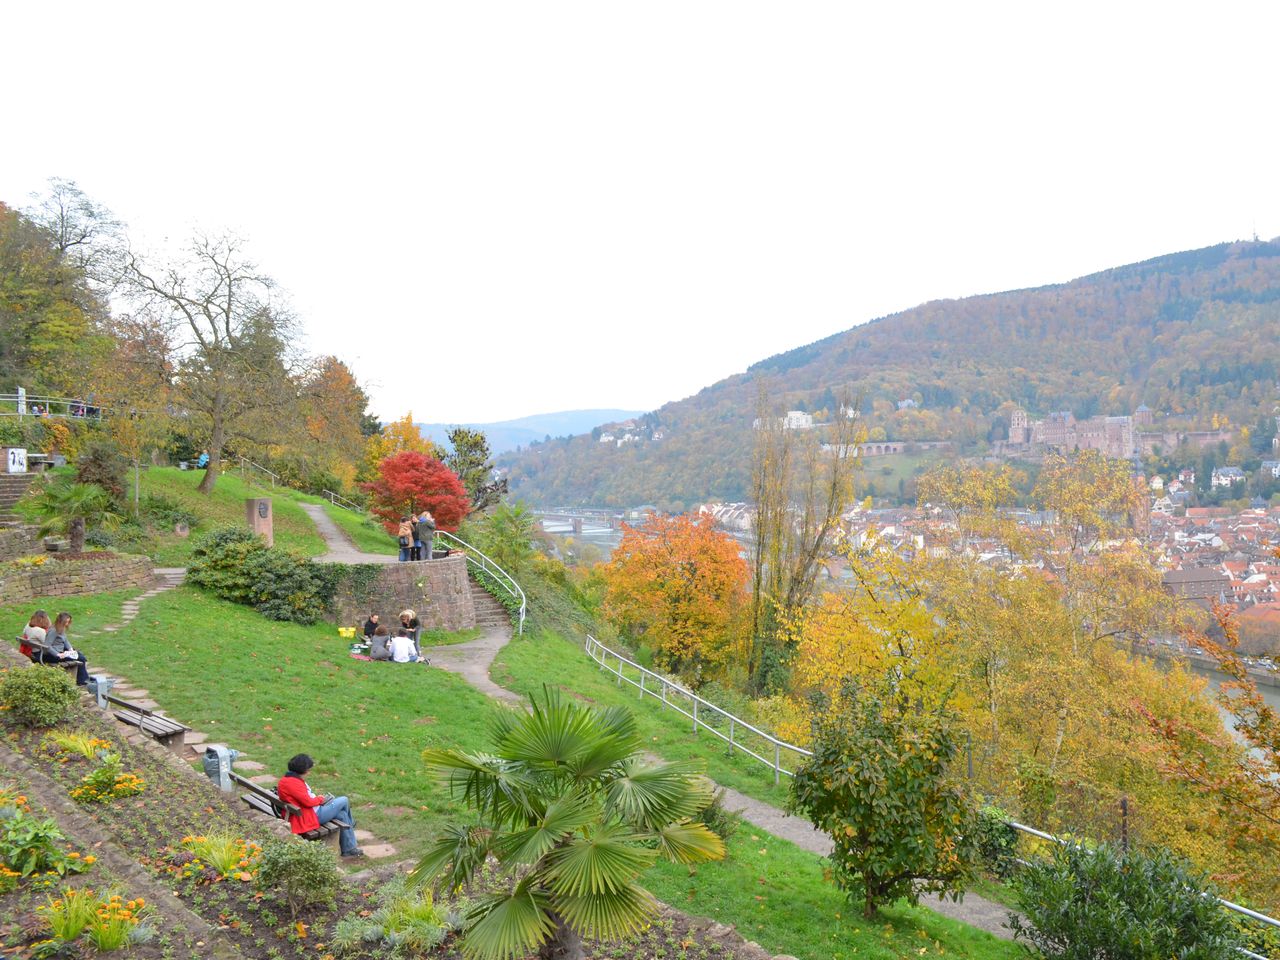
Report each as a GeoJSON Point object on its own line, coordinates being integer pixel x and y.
{"type": "Point", "coordinates": [469, 458]}
{"type": "Point", "coordinates": [236, 370]}
{"type": "Point", "coordinates": [802, 482]}
{"type": "Point", "coordinates": [397, 436]}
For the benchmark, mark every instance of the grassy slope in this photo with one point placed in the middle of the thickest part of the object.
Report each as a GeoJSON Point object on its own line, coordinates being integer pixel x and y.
{"type": "Point", "coordinates": [275, 689]}
{"type": "Point", "coordinates": [225, 506]}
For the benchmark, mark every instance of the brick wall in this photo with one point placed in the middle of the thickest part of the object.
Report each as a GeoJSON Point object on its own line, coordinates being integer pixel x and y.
{"type": "Point", "coordinates": [66, 578]}
{"type": "Point", "coordinates": [437, 590]}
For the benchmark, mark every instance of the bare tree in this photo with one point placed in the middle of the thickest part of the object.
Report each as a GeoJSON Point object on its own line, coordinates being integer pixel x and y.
{"type": "Point", "coordinates": [82, 231]}
{"type": "Point", "coordinates": [802, 483]}
{"type": "Point", "coordinates": [236, 370]}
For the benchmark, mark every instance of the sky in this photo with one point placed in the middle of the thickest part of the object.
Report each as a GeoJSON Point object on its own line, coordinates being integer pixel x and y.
{"type": "Point", "coordinates": [499, 209]}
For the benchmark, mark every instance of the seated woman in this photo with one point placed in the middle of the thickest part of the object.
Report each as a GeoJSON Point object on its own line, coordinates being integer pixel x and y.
{"type": "Point", "coordinates": [36, 630]}
{"type": "Point", "coordinates": [380, 644]}
{"type": "Point", "coordinates": [59, 649]}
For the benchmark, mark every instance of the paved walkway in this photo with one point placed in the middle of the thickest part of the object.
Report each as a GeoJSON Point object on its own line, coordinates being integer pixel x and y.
{"type": "Point", "coordinates": [341, 549]}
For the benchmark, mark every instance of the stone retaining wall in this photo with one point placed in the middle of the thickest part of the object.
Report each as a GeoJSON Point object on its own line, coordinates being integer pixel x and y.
{"type": "Point", "coordinates": [437, 590]}
{"type": "Point", "coordinates": [18, 542]}
{"type": "Point", "coordinates": [66, 578]}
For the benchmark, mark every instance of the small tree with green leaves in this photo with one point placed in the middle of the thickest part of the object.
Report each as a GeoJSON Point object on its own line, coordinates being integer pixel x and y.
{"type": "Point", "coordinates": [63, 506]}
{"type": "Point", "coordinates": [1103, 902]}
{"type": "Point", "coordinates": [573, 815]}
{"type": "Point", "coordinates": [878, 784]}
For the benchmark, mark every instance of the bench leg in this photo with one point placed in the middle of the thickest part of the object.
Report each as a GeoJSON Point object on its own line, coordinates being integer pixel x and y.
{"type": "Point", "coordinates": [176, 742]}
{"type": "Point", "coordinates": [333, 842]}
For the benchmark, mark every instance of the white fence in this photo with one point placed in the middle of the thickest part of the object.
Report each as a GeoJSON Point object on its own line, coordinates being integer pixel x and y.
{"type": "Point", "coordinates": [740, 735]}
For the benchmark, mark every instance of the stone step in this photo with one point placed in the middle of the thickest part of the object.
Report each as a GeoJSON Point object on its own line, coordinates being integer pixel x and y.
{"type": "Point", "coordinates": [379, 851]}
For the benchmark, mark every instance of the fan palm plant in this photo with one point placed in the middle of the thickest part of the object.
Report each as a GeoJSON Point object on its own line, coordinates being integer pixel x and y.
{"type": "Point", "coordinates": [574, 815]}
{"type": "Point", "coordinates": [64, 506]}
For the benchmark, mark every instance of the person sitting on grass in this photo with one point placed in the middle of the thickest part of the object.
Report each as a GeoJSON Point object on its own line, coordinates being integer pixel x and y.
{"type": "Point", "coordinates": [380, 644]}
{"type": "Point", "coordinates": [35, 631]}
{"type": "Point", "coordinates": [402, 650]}
{"type": "Point", "coordinates": [58, 649]}
{"type": "Point", "coordinates": [371, 626]}
{"type": "Point", "coordinates": [316, 811]}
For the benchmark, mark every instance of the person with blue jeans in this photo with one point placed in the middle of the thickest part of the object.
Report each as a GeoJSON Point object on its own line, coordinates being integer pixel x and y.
{"type": "Point", "coordinates": [315, 811]}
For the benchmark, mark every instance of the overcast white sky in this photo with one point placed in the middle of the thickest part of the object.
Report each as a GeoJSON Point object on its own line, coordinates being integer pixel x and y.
{"type": "Point", "coordinates": [567, 205]}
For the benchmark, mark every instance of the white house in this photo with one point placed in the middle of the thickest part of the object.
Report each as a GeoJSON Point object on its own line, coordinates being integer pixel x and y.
{"type": "Point", "coordinates": [1272, 467]}
{"type": "Point", "coordinates": [1227, 476]}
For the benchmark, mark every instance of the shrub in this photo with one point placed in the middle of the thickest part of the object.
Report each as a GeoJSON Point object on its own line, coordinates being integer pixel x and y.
{"type": "Point", "coordinates": [37, 696]}
{"type": "Point", "coordinates": [406, 920]}
{"type": "Point", "coordinates": [165, 513]}
{"type": "Point", "coordinates": [717, 818]}
{"type": "Point", "coordinates": [100, 462]}
{"type": "Point", "coordinates": [302, 872]}
{"type": "Point", "coordinates": [877, 783]}
{"type": "Point", "coordinates": [997, 841]}
{"type": "Point", "coordinates": [1140, 905]}
{"type": "Point", "coordinates": [238, 566]}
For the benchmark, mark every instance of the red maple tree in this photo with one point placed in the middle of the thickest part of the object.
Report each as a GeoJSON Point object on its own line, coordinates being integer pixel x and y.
{"type": "Point", "coordinates": [410, 482]}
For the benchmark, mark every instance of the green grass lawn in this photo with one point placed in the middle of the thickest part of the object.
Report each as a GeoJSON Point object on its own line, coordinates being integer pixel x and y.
{"type": "Point", "coordinates": [224, 507]}
{"type": "Point", "coordinates": [524, 665]}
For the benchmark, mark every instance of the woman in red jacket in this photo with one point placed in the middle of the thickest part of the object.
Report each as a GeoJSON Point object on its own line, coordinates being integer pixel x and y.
{"type": "Point", "coordinates": [313, 810]}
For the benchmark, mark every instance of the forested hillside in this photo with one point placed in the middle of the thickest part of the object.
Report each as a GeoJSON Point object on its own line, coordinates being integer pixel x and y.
{"type": "Point", "coordinates": [1192, 335]}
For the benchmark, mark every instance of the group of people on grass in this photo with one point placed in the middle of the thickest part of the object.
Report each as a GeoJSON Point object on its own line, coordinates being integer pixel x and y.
{"type": "Point", "coordinates": [399, 645]}
{"type": "Point", "coordinates": [416, 535]}
{"type": "Point", "coordinates": [46, 642]}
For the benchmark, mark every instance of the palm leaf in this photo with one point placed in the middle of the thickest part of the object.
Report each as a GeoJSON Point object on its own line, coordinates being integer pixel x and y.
{"type": "Point", "coordinates": [606, 861]}
{"type": "Point", "coordinates": [553, 733]}
{"type": "Point", "coordinates": [615, 740]}
{"type": "Point", "coordinates": [563, 816]}
{"type": "Point", "coordinates": [453, 858]}
{"type": "Point", "coordinates": [497, 790]}
{"type": "Point", "coordinates": [656, 794]}
{"type": "Point", "coordinates": [689, 842]}
{"type": "Point", "coordinates": [608, 915]}
{"type": "Point", "coordinates": [504, 926]}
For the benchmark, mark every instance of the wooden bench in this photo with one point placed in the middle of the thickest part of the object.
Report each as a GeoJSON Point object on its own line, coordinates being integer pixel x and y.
{"type": "Point", "coordinates": [268, 802]}
{"type": "Point", "coordinates": [163, 729]}
{"type": "Point", "coordinates": [37, 648]}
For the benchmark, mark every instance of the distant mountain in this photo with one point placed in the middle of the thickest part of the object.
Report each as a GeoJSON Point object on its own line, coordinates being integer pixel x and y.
{"type": "Point", "coordinates": [508, 434]}
{"type": "Point", "coordinates": [1192, 335]}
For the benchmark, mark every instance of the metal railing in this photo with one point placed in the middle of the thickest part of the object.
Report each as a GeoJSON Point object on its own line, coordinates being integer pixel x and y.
{"type": "Point", "coordinates": [244, 475]}
{"type": "Point", "coordinates": [704, 714]}
{"type": "Point", "coordinates": [338, 500]}
{"type": "Point", "coordinates": [481, 561]}
{"type": "Point", "coordinates": [27, 405]}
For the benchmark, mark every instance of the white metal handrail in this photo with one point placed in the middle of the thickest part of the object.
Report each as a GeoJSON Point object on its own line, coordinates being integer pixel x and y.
{"type": "Point", "coordinates": [70, 408]}
{"type": "Point", "coordinates": [482, 561]}
{"type": "Point", "coordinates": [662, 687]}
{"type": "Point", "coordinates": [245, 461]}
{"type": "Point", "coordinates": [338, 500]}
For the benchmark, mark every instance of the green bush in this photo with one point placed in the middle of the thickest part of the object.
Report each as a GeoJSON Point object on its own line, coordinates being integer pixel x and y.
{"type": "Point", "coordinates": [300, 871]}
{"type": "Point", "coordinates": [1140, 905]}
{"type": "Point", "coordinates": [407, 921]}
{"type": "Point", "coordinates": [997, 841]}
{"type": "Point", "coordinates": [164, 513]}
{"type": "Point", "coordinates": [281, 585]}
{"type": "Point", "coordinates": [30, 845]}
{"type": "Point", "coordinates": [101, 462]}
{"type": "Point", "coordinates": [37, 696]}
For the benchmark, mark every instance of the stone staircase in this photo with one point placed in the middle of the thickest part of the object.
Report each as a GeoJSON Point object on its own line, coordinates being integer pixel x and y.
{"type": "Point", "coordinates": [12, 487]}
{"type": "Point", "coordinates": [489, 612]}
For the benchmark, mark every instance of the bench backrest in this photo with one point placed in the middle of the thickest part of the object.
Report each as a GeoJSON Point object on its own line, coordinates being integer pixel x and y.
{"type": "Point", "coordinates": [269, 795]}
